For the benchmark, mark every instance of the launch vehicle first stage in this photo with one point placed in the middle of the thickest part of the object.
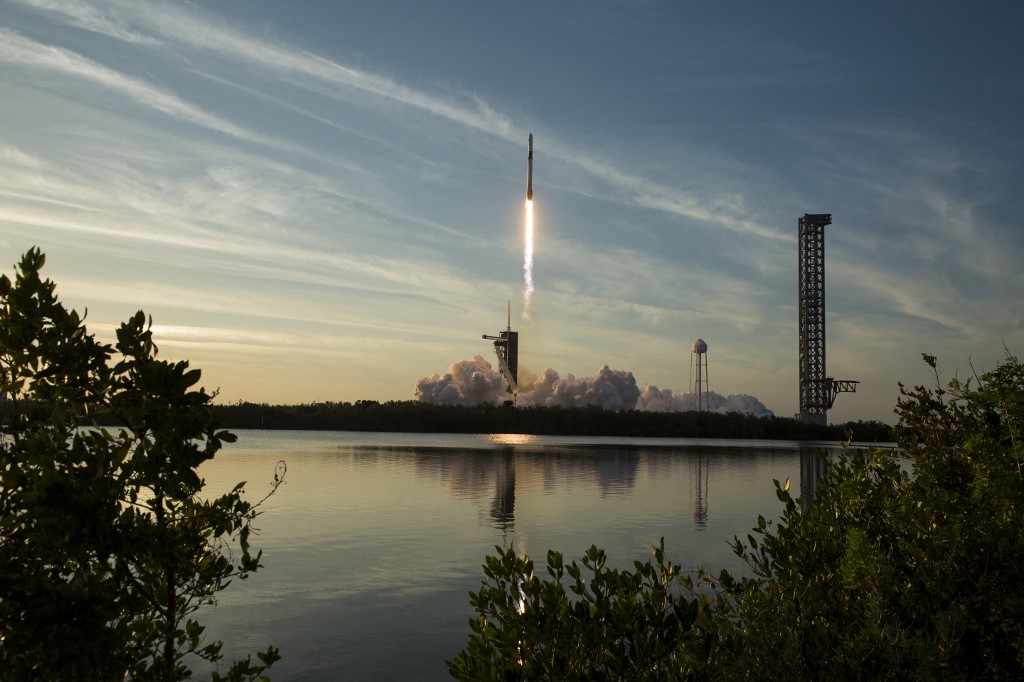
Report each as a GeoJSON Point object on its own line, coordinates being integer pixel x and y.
{"type": "Point", "coordinates": [529, 171]}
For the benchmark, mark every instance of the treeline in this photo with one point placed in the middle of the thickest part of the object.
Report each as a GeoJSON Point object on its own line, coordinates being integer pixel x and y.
{"type": "Point", "coordinates": [416, 417]}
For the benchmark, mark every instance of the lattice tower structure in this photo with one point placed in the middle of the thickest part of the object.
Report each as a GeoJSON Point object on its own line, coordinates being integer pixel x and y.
{"type": "Point", "coordinates": [815, 398]}
{"type": "Point", "coordinates": [506, 348]}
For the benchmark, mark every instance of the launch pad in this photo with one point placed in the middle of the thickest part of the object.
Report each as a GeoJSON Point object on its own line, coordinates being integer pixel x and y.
{"type": "Point", "coordinates": [506, 347]}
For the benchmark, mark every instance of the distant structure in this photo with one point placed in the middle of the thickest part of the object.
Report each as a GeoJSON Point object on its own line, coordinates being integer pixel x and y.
{"type": "Point", "coordinates": [817, 391]}
{"type": "Point", "coordinates": [699, 375]}
{"type": "Point", "coordinates": [506, 347]}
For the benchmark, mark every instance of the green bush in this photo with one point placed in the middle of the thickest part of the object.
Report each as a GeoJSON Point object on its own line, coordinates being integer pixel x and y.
{"type": "Point", "coordinates": [107, 544]}
{"type": "Point", "coordinates": [908, 565]}
{"type": "Point", "coordinates": [611, 624]}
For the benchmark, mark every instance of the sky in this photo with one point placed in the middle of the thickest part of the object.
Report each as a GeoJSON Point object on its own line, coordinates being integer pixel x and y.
{"type": "Point", "coordinates": [324, 201]}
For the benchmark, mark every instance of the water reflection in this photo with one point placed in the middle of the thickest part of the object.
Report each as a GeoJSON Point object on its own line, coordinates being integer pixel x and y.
{"type": "Point", "coordinates": [608, 471]}
{"type": "Point", "coordinates": [813, 465]}
{"type": "Point", "coordinates": [370, 525]}
{"type": "Point", "coordinates": [503, 507]}
{"type": "Point", "coordinates": [492, 472]}
{"type": "Point", "coordinates": [511, 438]}
{"type": "Point", "coordinates": [699, 496]}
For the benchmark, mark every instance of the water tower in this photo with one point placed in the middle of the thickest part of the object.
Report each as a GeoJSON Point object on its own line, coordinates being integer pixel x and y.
{"type": "Point", "coordinates": [699, 375]}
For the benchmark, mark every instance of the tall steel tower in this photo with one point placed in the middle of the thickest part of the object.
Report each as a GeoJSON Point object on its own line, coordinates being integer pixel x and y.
{"type": "Point", "coordinates": [817, 391]}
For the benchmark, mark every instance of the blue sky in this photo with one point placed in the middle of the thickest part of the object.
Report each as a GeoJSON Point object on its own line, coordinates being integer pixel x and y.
{"type": "Point", "coordinates": [324, 201]}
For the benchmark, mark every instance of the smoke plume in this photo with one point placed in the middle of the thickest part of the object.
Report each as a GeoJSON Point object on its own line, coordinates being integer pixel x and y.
{"type": "Point", "coordinates": [653, 399]}
{"type": "Point", "coordinates": [471, 382]}
{"type": "Point", "coordinates": [466, 383]}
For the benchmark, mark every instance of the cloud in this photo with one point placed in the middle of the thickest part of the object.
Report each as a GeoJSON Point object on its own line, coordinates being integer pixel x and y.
{"type": "Point", "coordinates": [97, 19]}
{"type": "Point", "coordinates": [174, 28]}
{"type": "Point", "coordinates": [653, 399]}
{"type": "Point", "coordinates": [19, 50]}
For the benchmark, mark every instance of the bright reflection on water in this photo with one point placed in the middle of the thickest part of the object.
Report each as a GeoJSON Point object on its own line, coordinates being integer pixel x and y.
{"type": "Point", "coordinates": [511, 438]}
{"type": "Point", "coordinates": [373, 543]}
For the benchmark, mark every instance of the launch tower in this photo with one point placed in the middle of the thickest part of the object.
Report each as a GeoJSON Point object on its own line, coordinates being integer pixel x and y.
{"type": "Point", "coordinates": [817, 391]}
{"type": "Point", "coordinates": [506, 347]}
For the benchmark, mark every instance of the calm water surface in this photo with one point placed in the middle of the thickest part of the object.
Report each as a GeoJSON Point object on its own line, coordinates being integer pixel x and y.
{"type": "Point", "coordinates": [373, 543]}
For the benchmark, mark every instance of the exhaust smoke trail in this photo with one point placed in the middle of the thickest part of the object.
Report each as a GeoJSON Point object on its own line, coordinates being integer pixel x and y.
{"type": "Point", "coordinates": [528, 260]}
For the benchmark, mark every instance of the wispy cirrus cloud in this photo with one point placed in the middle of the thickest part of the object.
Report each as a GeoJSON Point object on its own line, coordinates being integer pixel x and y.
{"type": "Point", "coordinates": [92, 18]}
{"type": "Point", "coordinates": [16, 49]}
{"type": "Point", "coordinates": [174, 28]}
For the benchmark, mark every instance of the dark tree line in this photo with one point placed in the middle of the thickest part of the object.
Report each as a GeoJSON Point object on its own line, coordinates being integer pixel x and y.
{"type": "Point", "coordinates": [417, 417]}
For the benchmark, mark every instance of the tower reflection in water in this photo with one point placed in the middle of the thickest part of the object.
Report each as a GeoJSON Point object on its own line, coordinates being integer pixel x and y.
{"type": "Point", "coordinates": [503, 506]}
{"type": "Point", "coordinates": [699, 494]}
{"type": "Point", "coordinates": [612, 469]}
{"type": "Point", "coordinates": [813, 464]}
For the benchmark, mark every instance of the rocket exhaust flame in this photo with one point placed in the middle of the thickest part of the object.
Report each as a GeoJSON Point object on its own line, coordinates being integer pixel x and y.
{"type": "Point", "coordinates": [528, 239]}
{"type": "Point", "coordinates": [528, 260]}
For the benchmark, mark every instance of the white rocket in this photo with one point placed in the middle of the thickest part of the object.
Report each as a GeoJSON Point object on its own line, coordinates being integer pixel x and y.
{"type": "Point", "coordinates": [529, 171]}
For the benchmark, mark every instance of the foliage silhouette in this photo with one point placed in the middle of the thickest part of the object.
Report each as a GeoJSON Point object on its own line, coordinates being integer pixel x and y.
{"type": "Point", "coordinates": [108, 545]}
{"type": "Point", "coordinates": [908, 565]}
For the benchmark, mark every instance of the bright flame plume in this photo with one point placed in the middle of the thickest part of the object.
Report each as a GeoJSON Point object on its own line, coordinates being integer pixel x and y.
{"type": "Point", "coordinates": [528, 260]}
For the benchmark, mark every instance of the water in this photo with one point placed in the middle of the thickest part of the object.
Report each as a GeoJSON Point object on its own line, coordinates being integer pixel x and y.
{"type": "Point", "coordinates": [371, 546]}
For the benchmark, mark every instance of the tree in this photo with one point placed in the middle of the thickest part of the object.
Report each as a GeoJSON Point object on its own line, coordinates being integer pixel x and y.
{"type": "Point", "coordinates": [108, 545]}
{"type": "Point", "coordinates": [908, 565]}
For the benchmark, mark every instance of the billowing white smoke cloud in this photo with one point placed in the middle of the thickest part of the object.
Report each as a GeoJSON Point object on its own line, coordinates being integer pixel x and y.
{"type": "Point", "coordinates": [467, 383]}
{"type": "Point", "coordinates": [611, 389]}
{"type": "Point", "coordinates": [652, 399]}
{"type": "Point", "coordinates": [471, 382]}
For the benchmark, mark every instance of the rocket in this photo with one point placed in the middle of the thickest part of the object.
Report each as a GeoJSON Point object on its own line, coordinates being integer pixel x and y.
{"type": "Point", "coordinates": [529, 171]}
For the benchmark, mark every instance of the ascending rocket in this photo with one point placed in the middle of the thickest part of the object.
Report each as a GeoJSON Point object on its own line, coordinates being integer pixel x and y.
{"type": "Point", "coordinates": [529, 171]}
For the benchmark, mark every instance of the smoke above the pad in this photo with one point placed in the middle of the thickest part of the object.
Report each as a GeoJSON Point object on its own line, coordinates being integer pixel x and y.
{"type": "Point", "coordinates": [475, 381]}
{"type": "Point", "coordinates": [653, 399]}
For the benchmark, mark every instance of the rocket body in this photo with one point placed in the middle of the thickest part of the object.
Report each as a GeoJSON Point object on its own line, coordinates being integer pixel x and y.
{"type": "Point", "coordinates": [529, 171]}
